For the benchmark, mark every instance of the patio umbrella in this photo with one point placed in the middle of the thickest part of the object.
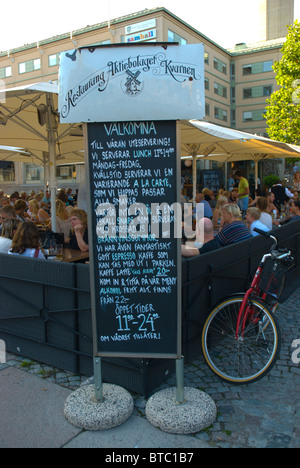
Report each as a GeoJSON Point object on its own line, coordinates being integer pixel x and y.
{"type": "Point", "coordinates": [215, 143]}
{"type": "Point", "coordinates": [29, 120]}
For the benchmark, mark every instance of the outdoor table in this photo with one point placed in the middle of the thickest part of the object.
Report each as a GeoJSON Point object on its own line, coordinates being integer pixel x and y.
{"type": "Point", "coordinates": [72, 255]}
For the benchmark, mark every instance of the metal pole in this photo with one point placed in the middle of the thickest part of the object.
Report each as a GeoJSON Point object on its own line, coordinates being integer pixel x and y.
{"type": "Point", "coordinates": [98, 380]}
{"type": "Point", "coordinates": [180, 380]}
{"type": "Point", "coordinates": [52, 159]}
{"type": "Point", "coordinates": [194, 178]}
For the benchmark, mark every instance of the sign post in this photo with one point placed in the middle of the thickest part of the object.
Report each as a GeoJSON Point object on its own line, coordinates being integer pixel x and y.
{"type": "Point", "coordinates": [131, 99]}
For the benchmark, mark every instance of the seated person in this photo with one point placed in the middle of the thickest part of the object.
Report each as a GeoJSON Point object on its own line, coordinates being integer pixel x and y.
{"type": "Point", "coordinates": [20, 208]}
{"type": "Point", "coordinates": [63, 222]}
{"type": "Point", "coordinates": [37, 214]}
{"type": "Point", "coordinates": [271, 207]}
{"type": "Point", "coordinates": [205, 241]}
{"type": "Point", "coordinates": [265, 217]}
{"type": "Point", "coordinates": [217, 211]}
{"type": "Point", "coordinates": [4, 201]}
{"type": "Point", "coordinates": [295, 207]}
{"type": "Point", "coordinates": [234, 229]}
{"type": "Point", "coordinates": [253, 221]}
{"type": "Point", "coordinates": [47, 200]}
{"type": "Point", "coordinates": [9, 227]}
{"type": "Point", "coordinates": [203, 208]}
{"type": "Point", "coordinates": [78, 240]}
{"type": "Point", "coordinates": [234, 198]}
{"type": "Point", "coordinates": [6, 211]}
{"type": "Point", "coordinates": [26, 241]}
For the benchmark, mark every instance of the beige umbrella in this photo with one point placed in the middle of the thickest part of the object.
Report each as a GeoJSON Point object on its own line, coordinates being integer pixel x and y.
{"type": "Point", "coordinates": [215, 143]}
{"type": "Point", "coordinates": [29, 120]}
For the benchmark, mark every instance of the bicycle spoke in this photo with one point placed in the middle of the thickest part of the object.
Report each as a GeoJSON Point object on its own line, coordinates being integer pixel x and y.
{"type": "Point", "coordinates": [246, 355]}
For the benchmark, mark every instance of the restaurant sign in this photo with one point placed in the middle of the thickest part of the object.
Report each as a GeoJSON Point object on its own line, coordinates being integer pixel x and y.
{"type": "Point", "coordinates": [144, 31]}
{"type": "Point", "coordinates": [139, 82]}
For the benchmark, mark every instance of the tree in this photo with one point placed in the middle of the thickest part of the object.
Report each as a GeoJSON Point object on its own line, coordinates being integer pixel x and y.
{"type": "Point", "coordinates": [283, 110]}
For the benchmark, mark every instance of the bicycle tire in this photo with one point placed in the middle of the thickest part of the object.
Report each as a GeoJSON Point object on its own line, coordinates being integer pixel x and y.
{"type": "Point", "coordinates": [249, 358]}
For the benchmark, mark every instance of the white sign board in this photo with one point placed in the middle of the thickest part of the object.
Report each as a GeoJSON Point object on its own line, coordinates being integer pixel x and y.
{"type": "Point", "coordinates": [131, 83]}
{"type": "Point", "coordinates": [134, 28]}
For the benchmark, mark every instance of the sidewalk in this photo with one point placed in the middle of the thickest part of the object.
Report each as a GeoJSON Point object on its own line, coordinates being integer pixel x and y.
{"type": "Point", "coordinates": [265, 414]}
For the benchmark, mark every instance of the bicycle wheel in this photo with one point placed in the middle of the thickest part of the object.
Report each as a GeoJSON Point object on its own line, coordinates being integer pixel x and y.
{"type": "Point", "coordinates": [250, 356]}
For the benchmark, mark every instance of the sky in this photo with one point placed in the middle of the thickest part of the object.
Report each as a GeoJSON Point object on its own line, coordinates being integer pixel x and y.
{"type": "Point", "coordinates": [226, 22]}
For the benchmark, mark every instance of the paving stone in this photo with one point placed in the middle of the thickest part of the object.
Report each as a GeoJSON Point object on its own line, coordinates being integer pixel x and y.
{"type": "Point", "coordinates": [264, 414]}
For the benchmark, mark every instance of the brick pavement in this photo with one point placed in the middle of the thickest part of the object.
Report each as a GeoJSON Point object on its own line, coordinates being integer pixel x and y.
{"type": "Point", "coordinates": [264, 414]}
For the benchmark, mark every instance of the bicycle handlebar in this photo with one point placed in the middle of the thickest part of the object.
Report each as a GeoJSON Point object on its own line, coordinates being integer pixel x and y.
{"type": "Point", "coordinates": [263, 233]}
{"type": "Point", "coordinates": [268, 236]}
{"type": "Point", "coordinates": [282, 252]}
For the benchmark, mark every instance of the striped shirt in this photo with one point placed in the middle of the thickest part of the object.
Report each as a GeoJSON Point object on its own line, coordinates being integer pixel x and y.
{"type": "Point", "coordinates": [233, 233]}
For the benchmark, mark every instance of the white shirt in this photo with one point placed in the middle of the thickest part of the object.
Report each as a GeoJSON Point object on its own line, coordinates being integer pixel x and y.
{"type": "Point", "coordinates": [287, 192]}
{"type": "Point", "coordinates": [259, 225]}
{"type": "Point", "coordinates": [29, 253]}
{"type": "Point", "coordinates": [266, 219]}
{"type": "Point", "coordinates": [5, 245]}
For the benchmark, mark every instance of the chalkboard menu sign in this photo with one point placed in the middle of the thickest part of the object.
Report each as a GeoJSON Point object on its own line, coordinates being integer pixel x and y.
{"type": "Point", "coordinates": [134, 238]}
{"type": "Point", "coordinates": [211, 179]}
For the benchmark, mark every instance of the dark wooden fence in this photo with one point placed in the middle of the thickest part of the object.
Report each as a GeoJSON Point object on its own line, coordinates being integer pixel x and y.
{"type": "Point", "coordinates": [45, 308]}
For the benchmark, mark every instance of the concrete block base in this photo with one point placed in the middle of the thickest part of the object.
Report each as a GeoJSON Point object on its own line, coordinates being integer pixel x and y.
{"type": "Point", "coordinates": [83, 411]}
{"type": "Point", "coordinates": [196, 413]}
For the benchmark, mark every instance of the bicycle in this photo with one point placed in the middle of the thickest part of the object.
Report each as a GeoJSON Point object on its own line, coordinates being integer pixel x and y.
{"type": "Point", "coordinates": [241, 337]}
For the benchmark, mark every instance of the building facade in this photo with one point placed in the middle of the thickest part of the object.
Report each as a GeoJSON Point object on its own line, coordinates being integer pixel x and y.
{"type": "Point", "coordinates": [275, 15]}
{"type": "Point", "coordinates": [238, 81]}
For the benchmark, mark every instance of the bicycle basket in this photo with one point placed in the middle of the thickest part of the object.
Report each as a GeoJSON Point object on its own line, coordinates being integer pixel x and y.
{"type": "Point", "coordinates": [272, 277]}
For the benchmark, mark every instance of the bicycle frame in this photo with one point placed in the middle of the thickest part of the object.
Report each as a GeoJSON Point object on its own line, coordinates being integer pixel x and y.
{"type": "Point", "coordinates": [246, 312]}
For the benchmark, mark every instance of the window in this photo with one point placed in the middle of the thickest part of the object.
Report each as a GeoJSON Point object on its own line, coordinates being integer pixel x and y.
{"type": "Point", "coordinates": [257, 92]}
{"type": "Point", "coordinates": [206, 58]}
{"type": "Point", "coordinates": [253, 116]}
{"type": "Point", "coordinates": [206, 84]}
{"type": "Point", "coordinates": [66, 173]}
{"type": "Point", "coordinates": [7, 171]}
{"type": "Point", "coordinates": [5, 72]}
{"type": "Point", "coordinates": [220, 90]}
{"type": "Point", "coordinates": [220, 66]}
{"type": "Point", "coordinates": [29, 66]}
{"type": "Point", "coordinates": [221, 114]}
{"type": "Point", "coordinates": [232, 70]}
{"type": "Point", "coordinates": [173, 37]}
{"type": "Point", "coordinates": [207, 109]}
{"type": "Point", "coordinates": [267, 90]}
{"type": "Point", "coordinates": [34, 174]}
{"type": "Point", "coordinates": [233, 117]}
{"type": "Point", "coordinates": [259, 67]}
{"type": "Point", "coordinates": [53, 60]}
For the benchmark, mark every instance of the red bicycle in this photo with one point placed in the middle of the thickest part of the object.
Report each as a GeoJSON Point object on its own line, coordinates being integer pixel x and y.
{"type": "Point", "coordinates": [241, 338]}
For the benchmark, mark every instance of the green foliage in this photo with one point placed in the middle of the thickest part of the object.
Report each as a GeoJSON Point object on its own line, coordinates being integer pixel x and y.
{"type": "Point", "coordinates": [283, 111]}
{"type": "Point", "coordinates": [270, 180]}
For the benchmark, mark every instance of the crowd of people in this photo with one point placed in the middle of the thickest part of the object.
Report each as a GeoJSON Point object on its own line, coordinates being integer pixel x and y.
{"type": "Point", "coordinates": [225, 218]}
{"type": "Point", "coordinates": [23, 219]}
{"type": "Point", "coordinates": [231, 216]}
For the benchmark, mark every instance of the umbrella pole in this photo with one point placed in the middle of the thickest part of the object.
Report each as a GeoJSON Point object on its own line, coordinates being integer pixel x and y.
{"type": "Point", "coordinates": [52, 160]}
{"type": "Point", "coordinates": [52, 180]}
{"type": "Point", "coordinates": [194, 179]}
{"type": "Point", "coordinates": [256, 175]}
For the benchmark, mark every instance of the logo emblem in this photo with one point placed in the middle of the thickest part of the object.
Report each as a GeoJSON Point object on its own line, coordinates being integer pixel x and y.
{"type": "Point", "coordinates": [132, 86]}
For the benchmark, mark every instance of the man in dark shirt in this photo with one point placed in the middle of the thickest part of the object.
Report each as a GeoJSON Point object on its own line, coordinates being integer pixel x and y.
{"type": "Point", "coordinates": [205, 240]}
{"type": "Point", "coordinates": [295, 208]}
{"type": "Point", "coordinates": [282, 194]}
{"type": "Point", "coordinates": [234, 230]}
